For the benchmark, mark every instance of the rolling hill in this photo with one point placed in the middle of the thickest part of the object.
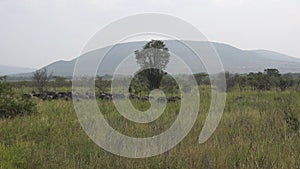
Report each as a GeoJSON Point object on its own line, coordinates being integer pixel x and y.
{"type": "Point", "coordinates": [234, 60]}
{"type": "Point", "coordinates": [9, 70]}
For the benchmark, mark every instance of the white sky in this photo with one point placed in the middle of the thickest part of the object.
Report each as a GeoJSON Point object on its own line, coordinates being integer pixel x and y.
{"type": "Point", "coordinates": [35, 33]}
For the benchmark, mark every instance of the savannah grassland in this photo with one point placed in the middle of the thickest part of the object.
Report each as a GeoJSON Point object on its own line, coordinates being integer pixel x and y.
{"type": "Point", "coordinates": [257, 130]}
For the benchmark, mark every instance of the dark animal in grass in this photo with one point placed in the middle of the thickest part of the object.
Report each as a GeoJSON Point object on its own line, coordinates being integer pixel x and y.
{"type": "Point", "coordinates": [161, 99]}
{"type": "Point", "coordinates": [26, 96]}
{"type": "Point", "coordinates": [173, 98]}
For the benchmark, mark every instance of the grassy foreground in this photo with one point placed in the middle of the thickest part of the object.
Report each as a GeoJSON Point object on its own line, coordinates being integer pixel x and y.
{"type": "Point", "coordinates": [256, 131]}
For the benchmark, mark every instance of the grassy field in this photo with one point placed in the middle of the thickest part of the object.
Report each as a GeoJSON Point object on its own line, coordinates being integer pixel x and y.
{"type": "Point", "coordinates": [257, 130]}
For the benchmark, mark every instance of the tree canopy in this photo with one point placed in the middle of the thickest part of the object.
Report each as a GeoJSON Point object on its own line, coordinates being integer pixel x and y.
{"type": "Point", "coordinates": [153, 59]}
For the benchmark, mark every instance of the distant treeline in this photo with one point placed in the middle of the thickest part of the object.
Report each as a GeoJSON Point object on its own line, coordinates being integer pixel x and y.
{"type": "Point", "coordinates": [266, 80]}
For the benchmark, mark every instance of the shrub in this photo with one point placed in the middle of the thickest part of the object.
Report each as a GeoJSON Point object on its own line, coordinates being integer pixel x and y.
{"type": "Point", "coordinates": [12, 104]}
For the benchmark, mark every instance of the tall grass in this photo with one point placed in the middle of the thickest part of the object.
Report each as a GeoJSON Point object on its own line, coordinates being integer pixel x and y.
{"type": "Point", "coordinates": [254, 133]}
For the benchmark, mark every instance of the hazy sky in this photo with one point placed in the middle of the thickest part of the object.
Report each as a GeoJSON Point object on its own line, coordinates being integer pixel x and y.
{"type": "Point", "coordinates": [35, 33]}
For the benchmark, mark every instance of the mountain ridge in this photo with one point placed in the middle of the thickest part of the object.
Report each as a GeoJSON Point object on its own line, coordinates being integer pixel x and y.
{"type": "Point", "coordinates": [235, 60]}
{"type": "Point", "coordinates": [9, 70]}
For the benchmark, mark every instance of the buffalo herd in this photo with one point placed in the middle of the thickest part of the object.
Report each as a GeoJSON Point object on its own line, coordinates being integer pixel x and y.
{"type": "Point", "coordinates": [50, 95]}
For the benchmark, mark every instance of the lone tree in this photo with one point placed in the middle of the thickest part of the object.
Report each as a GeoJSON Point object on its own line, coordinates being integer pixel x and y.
{"type": "Point", "coordinates": [41, 79]}
{"type": "Point", "coordinates": [153, 59]}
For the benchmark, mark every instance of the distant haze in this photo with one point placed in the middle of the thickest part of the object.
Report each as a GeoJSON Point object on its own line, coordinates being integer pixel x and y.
{"type": "Point", "coordinates": [35, 33]}
{"type": "Point", "coordinates": [9, 70]}
{"type": "Point", "coordinates": [234, 60]}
